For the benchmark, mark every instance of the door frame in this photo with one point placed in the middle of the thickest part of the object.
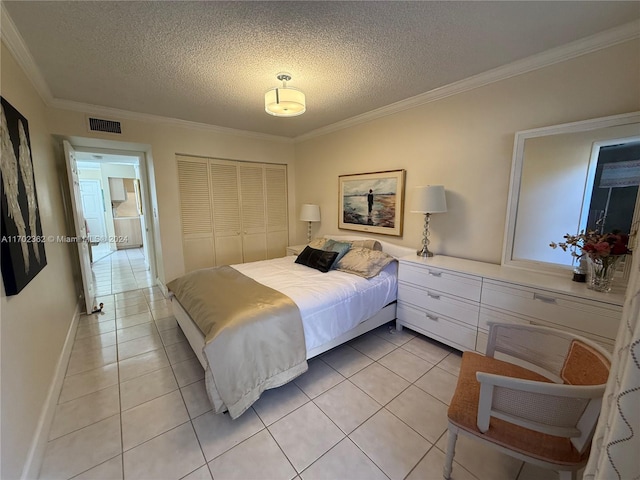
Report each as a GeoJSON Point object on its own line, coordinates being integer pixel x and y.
{"type": "Point", "coordinates": [145, 193]}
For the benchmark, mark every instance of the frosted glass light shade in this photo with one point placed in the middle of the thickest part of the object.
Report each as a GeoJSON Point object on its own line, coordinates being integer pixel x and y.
{"type": "Point", "coordinates": [310, 213]}
{"type": "Point", "coordinates": [284, 102]}
{"type": "Point", "coordinates": [429, 199]}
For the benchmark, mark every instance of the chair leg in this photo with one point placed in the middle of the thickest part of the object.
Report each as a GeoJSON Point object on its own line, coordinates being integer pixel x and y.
{"type": "Point", "coordinates": [451, 449]}
{"type": "Point", "coordinates": [568, 475]}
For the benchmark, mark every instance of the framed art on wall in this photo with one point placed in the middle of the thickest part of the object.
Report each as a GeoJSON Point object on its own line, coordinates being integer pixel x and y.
{"type": "Point", "coordinates": [22, 245]}
{"type": "Point", "coordinates": [372, 202]}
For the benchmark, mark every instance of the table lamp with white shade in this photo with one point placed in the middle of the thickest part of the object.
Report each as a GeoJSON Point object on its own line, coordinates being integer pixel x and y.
{"type": "Point", "coordinates": [309, 213]}
{"type": "Point", "coordinates": [428, 199]}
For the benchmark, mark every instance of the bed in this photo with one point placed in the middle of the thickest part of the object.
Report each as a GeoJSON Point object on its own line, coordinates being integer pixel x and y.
{"type": "Point", "coordinates": [334, 307]}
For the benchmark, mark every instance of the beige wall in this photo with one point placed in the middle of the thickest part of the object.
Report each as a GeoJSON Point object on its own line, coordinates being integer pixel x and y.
{"type": "Point", "coordinates": [35, 322]}
{"type": "Point", "coordinates": [465, 142]}
{"type": "Point", "coordinates": [165, 142]}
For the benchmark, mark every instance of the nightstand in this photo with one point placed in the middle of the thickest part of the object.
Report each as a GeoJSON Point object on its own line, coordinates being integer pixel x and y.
{"type": "Point", "coordinates": [295, 249]}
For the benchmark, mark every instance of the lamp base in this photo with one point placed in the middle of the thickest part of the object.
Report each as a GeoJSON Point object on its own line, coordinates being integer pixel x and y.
{"type": "Point", "coordinates": [424, 253]}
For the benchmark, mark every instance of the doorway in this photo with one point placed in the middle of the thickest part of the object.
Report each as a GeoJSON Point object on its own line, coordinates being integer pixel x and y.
{"type": "Point", "coordinates": [115, 210]}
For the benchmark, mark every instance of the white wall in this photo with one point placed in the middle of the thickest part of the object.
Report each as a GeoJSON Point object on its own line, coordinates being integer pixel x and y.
{"type": "Point", "coordinates": [465, 143]}
{"type": "Point", "coordinates": [35, 322]}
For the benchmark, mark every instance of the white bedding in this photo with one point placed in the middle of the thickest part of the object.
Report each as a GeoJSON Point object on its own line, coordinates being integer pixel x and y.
{"type": "Point", "coordinates": [330, 303]}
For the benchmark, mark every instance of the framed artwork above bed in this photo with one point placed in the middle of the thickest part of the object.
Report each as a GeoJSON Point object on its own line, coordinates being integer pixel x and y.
{"type": "Point", "coordinates": [372, 202]}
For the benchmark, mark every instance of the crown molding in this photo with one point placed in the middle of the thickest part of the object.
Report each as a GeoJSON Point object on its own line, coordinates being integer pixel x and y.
{"type": "Point", "coordinates": [14, 42]}
{"type": "Point", "coordinates": [599, 41]}
{"type": "Point", "coordinates": [118, 114]}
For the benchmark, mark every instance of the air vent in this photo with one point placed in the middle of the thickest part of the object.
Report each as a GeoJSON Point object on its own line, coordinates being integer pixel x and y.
{"type": "Point", "coordinates": [102, 125]}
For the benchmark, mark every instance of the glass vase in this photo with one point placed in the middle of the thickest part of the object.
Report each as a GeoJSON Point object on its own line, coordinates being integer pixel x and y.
{"type": "Point", "coordinates": [601, 272]}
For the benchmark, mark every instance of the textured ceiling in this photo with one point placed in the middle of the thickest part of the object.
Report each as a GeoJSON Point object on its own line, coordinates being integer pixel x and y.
{"type": "Point", "coordinates": [211, 62]}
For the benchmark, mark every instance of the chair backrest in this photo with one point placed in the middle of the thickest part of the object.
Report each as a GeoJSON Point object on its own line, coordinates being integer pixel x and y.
{"type": "Point", "coordinates": [570, 408]}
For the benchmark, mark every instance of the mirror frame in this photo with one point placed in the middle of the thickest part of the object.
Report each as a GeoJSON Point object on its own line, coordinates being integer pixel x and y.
{"type": "Point", "coordinates": [516, 178]}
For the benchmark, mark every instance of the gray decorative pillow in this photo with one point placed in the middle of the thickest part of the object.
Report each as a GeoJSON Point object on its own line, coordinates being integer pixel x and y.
{"type": "Point", "coordinates": [364, 262]}
{"type": "Point", "coordinates": [341, 247]}
{"type": "Point", "coordinates": [372, 244]}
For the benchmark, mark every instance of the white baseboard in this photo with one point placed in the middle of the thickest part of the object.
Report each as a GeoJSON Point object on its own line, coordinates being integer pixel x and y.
{"type": "Point", "coordinates": [163, 287]}
{"type": "Point", "coordinates": [39, 443]}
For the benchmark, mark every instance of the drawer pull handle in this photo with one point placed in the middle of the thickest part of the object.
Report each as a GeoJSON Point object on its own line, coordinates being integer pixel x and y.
{"type": "Point", "coordinates": [434, 274]}
{"type": "Point", "coordinates": [431, 317]}
{"type": "Point", "coordinates": [544, 299]}
{"type": "Point", "coordinates": [435, 297]}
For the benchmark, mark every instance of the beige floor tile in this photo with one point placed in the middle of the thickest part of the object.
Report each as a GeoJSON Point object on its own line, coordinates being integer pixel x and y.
{"type": "Point", "coordinates": [393, 446]}
{"type": "Point", "coordinates": [427, 349]}
{"type": "Point", "coordinates": [305, 435]}
{"type": "Point", "coordinates": [158, 304]}
{"type": "Point", "coordinates": [81, 450]}
{"type": "Point", "coordinates": [379, 383]}
{"type": "Point", "coordinates": [438, 383]}
{"type": "Point", "coordinates": [389, 333]}
{"type": "Point", "coordinates": [82, 361]}
{"type": "Point", "coordinates": [188, 371]}
{"type": "Point", "coordinates": [171, 455]}
{"type": "Point", "coordinates": [451, 363]}
{"type": "Point", "coordinates": [139, 346]}
{"type": "Point", "coordinates": [218, 433]}
{"type": "Point", "coordinates": [81, 412]}
{"type": "Point", "coordinates": [163, 312]}
{"type": "Point", "coordinates": [128, 302]}
{"type": "Point", "coordinates": [137, 331]}
{"type": "Point", "coordinates": [109, 470]}
{"type": "Point", "coordinates": [346, 360]}
{"type": "Point", "coordinates": [201, 473]}
{"type": "Point", "coordinates": [166, 323]}
{"type": "Point", "coordinates": [267, 461]}
{"type": "Point", "coordinates": [139, 365]}
{"type": "Point", "coordinates": [278, 402]}
{"type": "Point", "coordinates": [533, 472]}
{"type": "Point", "coordinates": [152, 418]}
{"type": "Point", "coordinates": [318, 379]}
{"type": "Point", "coordinates": [372, 346]}
{"type": "Point", "coordinates": [132, 310]}
{"type": "Point", "coordinates": [179, 352]}
{"type": "Point", "coordinates": [347, 406]}
{"type": "Point", "coordinates": [346, 461]}
{"type": "Point", "coordinates": [147, 387]}
{"type": "Point", "coordinates": [432, 465]}
{"type": "Point", "coordinates": [91, 381]}
{"type": "Point", "coordinates": [95, 342]}
{"type": "Point", "coordinates": [196, 399]}
{"type": "Point", "coordinates": [108, 313]}
{"type": "Point", "coordinates": [485, 462]}
{"type": "Point", "coordinates": [406, 364]}
{"type": "Point", "coordinates": [132, 320]}
{"type": "Point", "coordinates": [422, 412]}
{"type": "Point", "coordinates": [172, 336]}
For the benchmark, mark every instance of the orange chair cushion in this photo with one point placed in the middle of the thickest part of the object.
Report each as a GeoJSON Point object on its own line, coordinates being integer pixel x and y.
{"type": "Point", "coordinates": [584, 366]}
{"type": "Point", "coordinates": [463, 412]}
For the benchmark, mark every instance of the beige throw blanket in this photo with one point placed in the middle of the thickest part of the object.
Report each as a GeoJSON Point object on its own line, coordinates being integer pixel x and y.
{"type": "Point", "coordinates": [254, 339]}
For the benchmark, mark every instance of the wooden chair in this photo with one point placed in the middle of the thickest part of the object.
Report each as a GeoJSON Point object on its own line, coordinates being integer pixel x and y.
{"type": "Point", "coordinates": [538, 401]}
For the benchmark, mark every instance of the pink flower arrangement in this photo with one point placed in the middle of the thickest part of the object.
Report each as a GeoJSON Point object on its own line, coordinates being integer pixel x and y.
{"type": "Point", "coordinates": [595, 245]}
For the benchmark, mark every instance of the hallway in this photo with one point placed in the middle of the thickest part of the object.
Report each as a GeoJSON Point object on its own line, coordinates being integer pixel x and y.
{"type": "Point", "coordinates": [121, 271]}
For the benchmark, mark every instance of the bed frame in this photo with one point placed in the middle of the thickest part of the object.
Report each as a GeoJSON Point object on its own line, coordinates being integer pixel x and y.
{"type": "Point", "coordinates": [386, 314]}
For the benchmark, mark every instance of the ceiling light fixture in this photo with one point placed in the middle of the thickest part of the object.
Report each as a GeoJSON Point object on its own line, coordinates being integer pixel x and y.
{"type": "Point", "coordinates": [284, 101]}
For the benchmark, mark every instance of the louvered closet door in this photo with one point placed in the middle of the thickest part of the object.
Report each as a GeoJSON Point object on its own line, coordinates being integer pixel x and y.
{"type": "Point", "coordinates": [252, 201]}
{"type": "Point", "coordinates": [277, 224]}
{"type": "Point", "coordinates": [195, 212]}
{"type": "Point", "coordinates": [227, 225]}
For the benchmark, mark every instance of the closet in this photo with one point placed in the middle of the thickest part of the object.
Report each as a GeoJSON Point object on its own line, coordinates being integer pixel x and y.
{"type": "Point", "coordinates": [231, 211]}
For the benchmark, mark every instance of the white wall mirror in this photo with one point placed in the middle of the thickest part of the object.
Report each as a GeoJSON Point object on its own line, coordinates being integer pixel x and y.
{"type": "Point", "coordinates": [570, 177]}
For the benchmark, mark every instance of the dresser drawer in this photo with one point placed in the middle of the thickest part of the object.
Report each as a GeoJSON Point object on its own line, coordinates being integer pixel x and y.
{"type": "Point", "coordinates": [438, 327]}
{"type": "Point", "coordinates": [566, 311]}
{"type": "Point", "coordinates": [440, 303]}
{"type": "Point", "coordinates": [459, 284]}
{"type": "Point", "coordinates": [491, 315]}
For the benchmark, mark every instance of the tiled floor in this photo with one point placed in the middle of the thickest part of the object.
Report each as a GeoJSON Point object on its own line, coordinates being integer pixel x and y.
{"type": "Point", "coordinates": [121, 271]}
{"type": "Point", "coordinates": [133, 405]}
